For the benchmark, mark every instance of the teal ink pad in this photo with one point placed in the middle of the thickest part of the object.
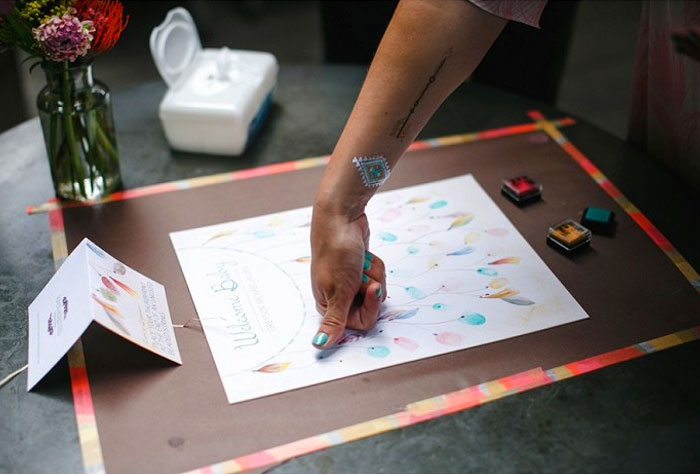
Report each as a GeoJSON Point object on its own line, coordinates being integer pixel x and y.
{"type": "Point", "coordinates": [568, 236]}
{"type": "Point", "coordinates": [599, 220]}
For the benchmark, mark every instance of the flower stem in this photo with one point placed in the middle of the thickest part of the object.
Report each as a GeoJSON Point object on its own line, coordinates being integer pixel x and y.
{"type": "Point", "coordinates": [106, 144]}
{"type": "Point", "coordinates": [69, 130]}
{"type": "Point", "coordinates": [53, 152]}
{"type": "Point", "coordinates": [88, 149]}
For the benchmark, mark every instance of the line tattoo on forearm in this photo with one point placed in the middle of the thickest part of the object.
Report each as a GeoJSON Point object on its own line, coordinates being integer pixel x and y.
{"type": "Point", "coordinates": [401, 126]}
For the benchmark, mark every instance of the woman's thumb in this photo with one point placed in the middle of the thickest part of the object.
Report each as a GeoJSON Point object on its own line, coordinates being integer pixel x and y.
{"type": "Point", "coordinates": [333, 324]}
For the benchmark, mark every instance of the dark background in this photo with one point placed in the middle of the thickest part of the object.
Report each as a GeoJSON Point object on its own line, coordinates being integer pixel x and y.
{"type": "Point", "coordinates": [581, 60]}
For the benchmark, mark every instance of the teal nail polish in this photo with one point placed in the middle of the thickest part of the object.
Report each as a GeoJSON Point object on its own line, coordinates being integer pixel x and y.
{"type": "Point", "coordinates": [379, 292]}
{"type": "Point", "coordinates": [365, 278]}
{"type": "Point", "coordinates": [368, 256]}
{"type": "Point", "coordinates": [320, 339]}
{"type": "Point", "coordinates": [367, 264]}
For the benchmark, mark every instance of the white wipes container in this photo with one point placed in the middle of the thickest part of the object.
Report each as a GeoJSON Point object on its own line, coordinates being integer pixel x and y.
{"type": "Point", "coordinates": [217, 98]}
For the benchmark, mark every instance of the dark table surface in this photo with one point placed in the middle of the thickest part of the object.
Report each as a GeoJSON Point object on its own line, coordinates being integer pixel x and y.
{"type": "Point", "coordinates": [641, 415]}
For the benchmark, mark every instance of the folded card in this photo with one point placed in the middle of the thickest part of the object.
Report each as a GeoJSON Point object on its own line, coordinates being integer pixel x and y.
{"type": "Point", "coordinates": [93, 286]}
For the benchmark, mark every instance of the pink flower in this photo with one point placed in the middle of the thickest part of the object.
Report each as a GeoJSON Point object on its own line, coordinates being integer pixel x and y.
{"type": "Point", "coordinates": [64, 38]}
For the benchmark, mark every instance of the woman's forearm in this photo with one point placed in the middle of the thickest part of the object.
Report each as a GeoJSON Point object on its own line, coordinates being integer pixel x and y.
{"type": "Point", "coordinates": [429, 48]}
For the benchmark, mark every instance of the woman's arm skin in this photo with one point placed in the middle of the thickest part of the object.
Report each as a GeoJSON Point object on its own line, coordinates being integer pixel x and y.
{"type": "Point", "coordinates": [429, 48]}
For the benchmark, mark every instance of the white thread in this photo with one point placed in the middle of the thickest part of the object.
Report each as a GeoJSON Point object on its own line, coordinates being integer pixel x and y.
{"type": "Point", "coordinates": [13, 375]}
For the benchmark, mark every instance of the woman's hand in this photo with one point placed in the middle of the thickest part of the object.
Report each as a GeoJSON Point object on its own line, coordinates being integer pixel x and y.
{"type": "Point", "coordinates": [348, 282]}
{"type": "Point", "coordinates": [429, 48]}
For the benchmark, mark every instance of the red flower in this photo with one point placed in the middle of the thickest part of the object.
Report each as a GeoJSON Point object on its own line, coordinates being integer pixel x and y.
{"type": "Point", "coordinates": [108, 19]}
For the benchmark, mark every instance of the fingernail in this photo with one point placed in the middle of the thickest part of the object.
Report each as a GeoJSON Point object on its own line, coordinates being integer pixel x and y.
{"type": "Point", "coordinates": [367, 264]}
{"type": "Point", "coordinates": [379, 292]}
{"type": "Point", "coordinates": [365, 278]}
{"type": "Point", "coordinates": [320, 339]}
{"type": "Point", "coordinates": [368, 256]}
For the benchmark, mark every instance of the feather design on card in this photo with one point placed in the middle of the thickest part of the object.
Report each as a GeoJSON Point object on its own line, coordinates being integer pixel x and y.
{"type": "Point", "coordinates": [378, 351]}
{"type": "Point", "coordinates": [108, 294]}
{"type": "Point", "coordinates": [497, 283]}
{"type": "Point", "coordinates": [273, 368]}
{"type": "Point", "coordinates": [221, 234]}
{"type": "Point", "coordinates": [350, 337]}
{"type": "Point", "coordinates": [506, 260]}
{"type": "Point", "coordinates": [417, 200]}
{"type": "Point", "coordinates": [125, 287]}
{"type": "Point", "coordinates": [117, 323]}
{"type": "Point", "coordinates": [107, 307]}
{"type": "Point", "coordinates": [497, 232]}
{"type": "Point", "coordinates": [487, 271]}
{"type": "Point", "coordinates": [433, 262]}
{"type": "Point", "coordinates": [275, 221]}
{"type": "Point", "coordinates": [507, 293]}
{"type": "Point", "coordinates": [402, 273]}
{"type": "Point", "coordinates": [463, 251]}
{"type": "Point", "coordinates": [451, 214]}
{"type": "Point", "coordinates": [390, 215]}
{"type": "Point", "coordinates": [264, 233]}
{"type": "Point", "coordinates": [97, 251]}
{"type": "Point", "coordinates": [519, 300]}
{"type": "Point", "coordinates": [414, 292]}
{"type": "Point", "coordinates": [303, 260]}
{"type": "Point", "coordinates": [448, 338]}
{"type": "Point", "coordinates": [436, 244]}
{"type": "Point", "coordinates": [471, 237]}
{"type": "Point", "coordinates": [473, 319]}
{"type": "Point", "coordinates": [419, 229]}
{"type": "Point", "coordinates": [109, 284]}
{"type": "Point", "coordinates": [387, 236]}
{"type": "Point", "coordinates": [406, 343]}
{"type": "Point", "coordinates": [461, 221]}
{"type": "Point", "coordinates": [438, 204]}
{"type": "Point", "coordinates": [407, 314]}
{"type": "Point", "coordinates": [397, 314]}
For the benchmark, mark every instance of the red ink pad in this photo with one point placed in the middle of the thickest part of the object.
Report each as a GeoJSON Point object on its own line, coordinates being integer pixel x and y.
{"type": "Point", "coordinates": [521, 189]}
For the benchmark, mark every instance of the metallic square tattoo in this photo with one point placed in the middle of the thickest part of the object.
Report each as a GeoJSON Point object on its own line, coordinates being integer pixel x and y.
{"type": "Point", "coordinates": [374, 170]}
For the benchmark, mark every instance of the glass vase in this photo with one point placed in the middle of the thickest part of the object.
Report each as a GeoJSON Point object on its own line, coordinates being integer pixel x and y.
{"type": "Point", "coordinates": [75, 111]}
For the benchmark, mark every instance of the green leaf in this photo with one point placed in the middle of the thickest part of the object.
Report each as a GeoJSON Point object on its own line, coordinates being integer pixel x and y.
{"type": "Point", "coordinates": [24, 39]}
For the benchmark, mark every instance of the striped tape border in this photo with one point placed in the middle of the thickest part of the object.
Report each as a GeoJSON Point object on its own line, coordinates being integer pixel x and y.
{"type": "Point", "coordinates": [416, 412]}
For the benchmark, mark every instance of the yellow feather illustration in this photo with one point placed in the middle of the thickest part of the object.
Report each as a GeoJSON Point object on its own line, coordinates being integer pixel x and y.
{"type": "Point", "coordinates": [507, 293]}
{"type": "Point", "coordinates": [417, 200]}
{"type": "Point", "coordinates": [497, 283]}
{"type": "Point", "coordinates": [502, 261]}
{"type": "Point", "coordinates": [276, 221]}
{"type": "Point", "coordinates": [471, 237]}
{"type": "Point", "coordinates": [433, 262]}
{"type": "Point", "coordinates": [462, 220]}
{"type": "Point", "coordinates": [221, 234]}
{"type": "Point", "coordinates": [436, 244]}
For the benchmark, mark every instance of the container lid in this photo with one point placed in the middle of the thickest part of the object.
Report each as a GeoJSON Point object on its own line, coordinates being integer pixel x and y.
{"type": "Point", "coordinates": [174, 44]}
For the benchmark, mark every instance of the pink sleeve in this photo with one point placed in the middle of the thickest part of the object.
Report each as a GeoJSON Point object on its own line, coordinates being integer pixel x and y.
{"type": "Point", "coordinates": [522, 11]}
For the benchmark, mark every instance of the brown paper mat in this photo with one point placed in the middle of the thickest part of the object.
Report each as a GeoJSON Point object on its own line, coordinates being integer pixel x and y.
{"type": "Point", "coordinates": [154, 417]}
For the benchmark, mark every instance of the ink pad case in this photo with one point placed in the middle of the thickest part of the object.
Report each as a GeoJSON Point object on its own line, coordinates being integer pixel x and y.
{"type": "Point", "coordinates": [521, 189]}
{"type": "Point", "coordinates": [568, 236]}
{"type": "Point", "coordinates": [599, 220]}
